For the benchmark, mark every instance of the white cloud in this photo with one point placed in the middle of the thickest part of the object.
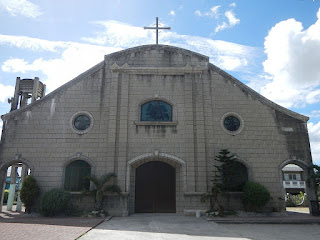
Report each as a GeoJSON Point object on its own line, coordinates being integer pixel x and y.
{"type": "Point", "coordinates": [172, 13]}
{"type": "Point", "coordinates": [314, 133]}
{"type": "Point", "coordinates": [5, 92]}
{"type": "Point", "coordinates": [229, 15]}
{"type": "Point", "coordinates": [226, 55]}
{"type": "Point", "coordinates": [119, 34]}
{"type": "Point", "coordinates": [20, 7]}
{"type": "Point", "coordinates": [232, 21]}
{"type": "Point", "coordinates": [232, 63]}
{"type": "Point", "coordinates": [313, 97]}
{"type": "Point", "coordinates": [33, 44]}
{"type": "Point", "coordinates": [213, 12]}
{"type": "Point", "coordinates": [74, 58]}
{"type": "Point", "coordinates": [221, 27]}
{"type": "Point", "coordinates": [198, 13]}
{"type": "Point", "coordinates": [293, 62]}
{"type": "Point", "coordinates": [16, 65]}
{"type": "Point", "coordinates": [314, 114]}
{"type": "Point", "coordinates": [232, 18]}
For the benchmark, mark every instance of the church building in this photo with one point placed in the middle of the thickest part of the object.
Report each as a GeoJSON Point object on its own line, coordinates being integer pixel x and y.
{"type": "Point", "coordinates": [156, 116]}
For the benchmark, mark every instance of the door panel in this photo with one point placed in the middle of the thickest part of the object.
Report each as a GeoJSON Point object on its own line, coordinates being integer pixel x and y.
{"type": "Point", "coordinates": [155, 188]}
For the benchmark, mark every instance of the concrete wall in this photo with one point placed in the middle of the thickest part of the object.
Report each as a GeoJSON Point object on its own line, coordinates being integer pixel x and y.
{"type": "Point", "coordinates": [113, 91]}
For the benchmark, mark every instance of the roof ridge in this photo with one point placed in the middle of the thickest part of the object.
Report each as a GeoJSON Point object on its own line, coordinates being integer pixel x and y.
{"type": "Point", "coordinates": [154, 46]}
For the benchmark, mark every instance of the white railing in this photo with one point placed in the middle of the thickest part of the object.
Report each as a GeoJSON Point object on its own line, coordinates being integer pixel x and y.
{"type": "Point", "coordinates": [294, 184]}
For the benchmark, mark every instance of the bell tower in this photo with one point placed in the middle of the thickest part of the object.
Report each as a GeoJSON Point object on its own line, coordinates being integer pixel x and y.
{"type": "Point", "coordinates": [26, 89]}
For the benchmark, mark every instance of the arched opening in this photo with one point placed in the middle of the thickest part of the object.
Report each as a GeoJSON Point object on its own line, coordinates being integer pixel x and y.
{"type": "Point", "coordinates": [235, 176]}
{"type": "Point", "coordinates": [294, 187]}
{"type": "Point", "coordinates": [156, 110]}
{"type": "Point", "coordinates": [155, 189]}
{"type": "Point", "coordinates": [75, 176]}
{"type": "Point", "coordinates": [12, 176]}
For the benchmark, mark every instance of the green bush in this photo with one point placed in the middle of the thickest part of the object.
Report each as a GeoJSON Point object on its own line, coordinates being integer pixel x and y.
{"type": "Point", "coordinates": [29, 192]}
{"type": "Point", "coordinates": [54, 202]}
{"type": "Point", "coordinates": [5, 196]}
{"type": "Point", "coordinates": [255, 195]}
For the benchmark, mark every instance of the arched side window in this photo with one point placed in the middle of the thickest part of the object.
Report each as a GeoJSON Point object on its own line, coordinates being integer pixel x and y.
{"type": "Point", "coordinates": [235, 176]}
{"type": "Point", "coordinates": [76, 172]}
{"type": "Point", "coordinates": [158, 111]}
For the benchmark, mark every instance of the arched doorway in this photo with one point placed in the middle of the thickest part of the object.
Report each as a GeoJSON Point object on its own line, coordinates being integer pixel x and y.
{"type": "Point", "coordinates": [155, 190]}
{"type": "Point", "coordinates": [296, 183]}
{"type": "Point", "coordinates": [12, 174]}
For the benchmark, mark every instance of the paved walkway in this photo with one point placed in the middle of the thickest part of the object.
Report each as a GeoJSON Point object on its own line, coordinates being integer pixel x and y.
{"type": "Point", "coordinates": [14, 225]}
{"type": "Point", "coordinates": [174, 226]}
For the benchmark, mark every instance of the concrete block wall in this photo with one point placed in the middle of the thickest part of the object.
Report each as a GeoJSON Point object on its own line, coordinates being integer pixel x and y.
{"type": "Point", "coordinates": [42, 132]}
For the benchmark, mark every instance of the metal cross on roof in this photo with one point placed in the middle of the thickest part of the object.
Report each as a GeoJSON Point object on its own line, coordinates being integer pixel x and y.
{"type": "Point", "coordinates": [157, 29]}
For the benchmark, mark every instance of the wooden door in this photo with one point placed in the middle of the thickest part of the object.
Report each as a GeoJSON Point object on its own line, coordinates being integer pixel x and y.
{"type": "Point", "coordinates": [155, 188]}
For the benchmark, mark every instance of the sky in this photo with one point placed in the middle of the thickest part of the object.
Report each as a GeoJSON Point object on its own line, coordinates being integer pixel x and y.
{"type": "Point", "coordinates": [272, 46]}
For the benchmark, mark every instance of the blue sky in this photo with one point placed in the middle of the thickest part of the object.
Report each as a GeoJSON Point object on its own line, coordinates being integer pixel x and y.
{"type": "Point", "coordinates": [273, 46]}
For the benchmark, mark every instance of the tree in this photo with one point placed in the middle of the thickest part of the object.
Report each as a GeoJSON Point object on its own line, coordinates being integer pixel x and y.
{"type": "Point", "coordinates": [314, 177]}
{"type": "Point", "coordinates": [101, 186]}
{"type": "Point", "coordinates": [29, 192]}
{"type": "Point", "coordinates": [223, 179]}
{"type": "Point", "coordinates": [226, 171]}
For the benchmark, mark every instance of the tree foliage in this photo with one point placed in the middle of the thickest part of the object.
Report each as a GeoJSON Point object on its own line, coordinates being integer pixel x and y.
{"type": "Point", "coordinates": [101, 186]}
{"type": "Point", "coordinates": [314, 177]}
{"type": "Point", "coordinates": [226, 177]}
{"type": "Point", "coordinates": [29, 192]}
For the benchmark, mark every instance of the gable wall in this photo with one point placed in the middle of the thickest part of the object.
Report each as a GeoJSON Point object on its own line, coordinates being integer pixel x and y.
{"type": "Point", "coordinates": [43, 134]}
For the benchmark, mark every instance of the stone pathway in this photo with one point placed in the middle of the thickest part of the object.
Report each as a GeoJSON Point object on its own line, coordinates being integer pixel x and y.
{"type": "Point", "coordinates": [14, 225]}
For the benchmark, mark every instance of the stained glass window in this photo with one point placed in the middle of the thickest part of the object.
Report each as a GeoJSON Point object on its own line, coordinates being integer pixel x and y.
{"type": "Point", "coordinates": [156, 111]}
{"type": "Point", "coordinates": [75, 176]}
{"type": "Point", "coordinates": [231, 123]}
{"type": "Point", "coordinates": [82, 122]}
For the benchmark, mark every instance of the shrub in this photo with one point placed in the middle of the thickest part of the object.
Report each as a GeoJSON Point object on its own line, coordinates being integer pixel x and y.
{"type": "Point", "coordinates": [29, 192]}
{"type": "Point", "coordinates": [255, 195]}
{"type": "Point", "coordinates": [5, 196]}
{"type": "Point", "coordinates": [54, 202]}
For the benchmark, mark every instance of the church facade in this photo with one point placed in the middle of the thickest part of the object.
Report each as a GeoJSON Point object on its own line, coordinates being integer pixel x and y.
{"type": "Point", "coordinates": [156, 116]}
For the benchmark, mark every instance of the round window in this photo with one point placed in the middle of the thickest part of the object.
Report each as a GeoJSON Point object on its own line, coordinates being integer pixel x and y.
{"type": "Point", "coordinates": [82, 122]}
{"type": "Point", "coordinates": [231, 123]}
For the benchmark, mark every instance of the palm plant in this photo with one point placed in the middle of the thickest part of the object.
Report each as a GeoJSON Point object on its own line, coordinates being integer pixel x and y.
{"type": "Point", "coordinates": [101, 186]}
